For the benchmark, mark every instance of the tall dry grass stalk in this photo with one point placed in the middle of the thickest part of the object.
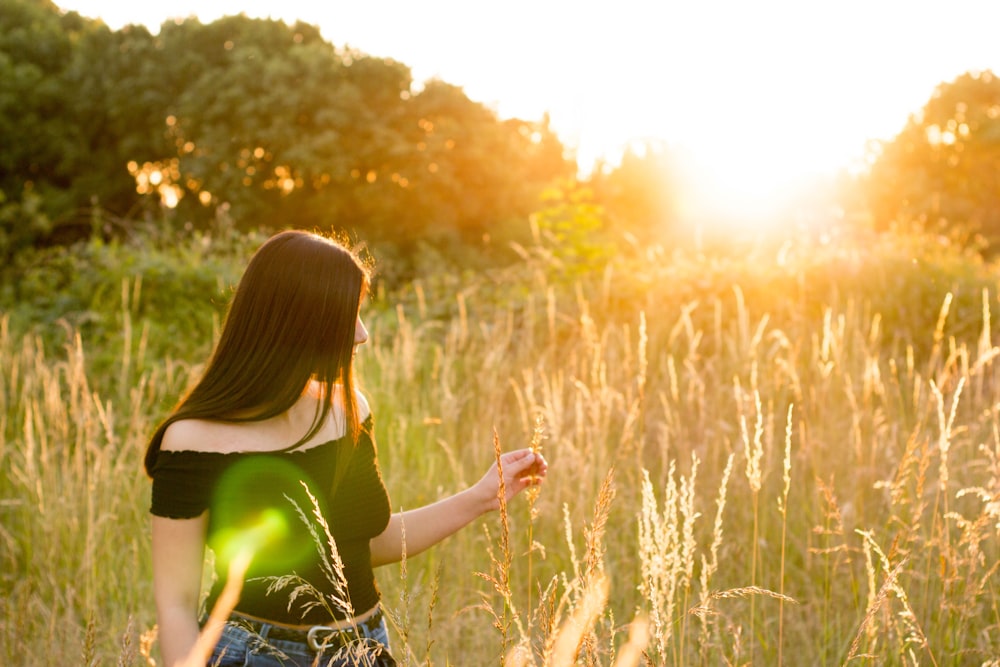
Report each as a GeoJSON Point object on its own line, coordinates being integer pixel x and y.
{"type": "Point", "coordinates": [532, 493]}
{"type": "Point", "coordinates": [589, 577]}
{"type": "Point", "coordinates": [783, 509]}
{"type": "Point", "coordinates": [201, 653]}
{"type": "Point", "coordinates": [667, 555]}
{"type": "Point", "coordinates": [710, 564]}
{"type": "Point", "coordinates": [575, 628]}
{"type": "Point", "coordinates": [499, 576]}
{"type": "Point", "coordinates": [753, 452]}
{"type": "Point", "coordinates": [910, 633]}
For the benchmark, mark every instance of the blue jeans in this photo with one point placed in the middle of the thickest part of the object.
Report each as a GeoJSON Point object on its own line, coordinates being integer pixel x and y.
{"type": "Point", "coordinates": [241, 647]}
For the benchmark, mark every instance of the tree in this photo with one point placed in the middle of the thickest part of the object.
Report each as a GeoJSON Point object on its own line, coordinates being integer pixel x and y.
{"type": "Point", "coordinates": [116, 106]}
{"type": "Point", "coordinates": [38, 137]}
{"type": "Point", "coordinates": [639, 193]}
{"type": "Point", "coordinates": [942, 172]}
{"type": "Point", "coordinates": [75, 104]}
{"type": "Point", "coordinates": [471, 173]}
{"type": "Point", "coordinates": [259, 117]}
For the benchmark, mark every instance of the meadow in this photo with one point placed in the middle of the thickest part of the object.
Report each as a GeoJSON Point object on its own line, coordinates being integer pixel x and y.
{"type": "Point", "coordinates": [789, 455]}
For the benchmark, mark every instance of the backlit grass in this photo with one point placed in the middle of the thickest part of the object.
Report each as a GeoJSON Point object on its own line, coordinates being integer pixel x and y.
{"type": "Point", "coordinates": [756, 462]}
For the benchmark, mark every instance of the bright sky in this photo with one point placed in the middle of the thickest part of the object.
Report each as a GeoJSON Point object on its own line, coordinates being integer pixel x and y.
{"type": "Point", "coordinates": [759, 96]}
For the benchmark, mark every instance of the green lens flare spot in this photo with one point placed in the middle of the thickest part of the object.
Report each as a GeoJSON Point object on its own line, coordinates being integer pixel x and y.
{"type": "Point", "coordinates": [254, 511]}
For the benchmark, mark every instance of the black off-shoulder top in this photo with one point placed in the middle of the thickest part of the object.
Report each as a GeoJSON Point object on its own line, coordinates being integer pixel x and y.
{"type": "Point", "coordinates": [258, 500]}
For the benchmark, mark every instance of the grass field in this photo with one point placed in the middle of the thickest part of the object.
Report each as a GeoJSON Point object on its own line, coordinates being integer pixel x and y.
{"type": "Point", "coordinates": [763, 461]}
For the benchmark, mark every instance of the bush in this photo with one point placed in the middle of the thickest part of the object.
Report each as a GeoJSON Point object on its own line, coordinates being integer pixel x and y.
{"type": "Point", "coordinates": [172, 286]}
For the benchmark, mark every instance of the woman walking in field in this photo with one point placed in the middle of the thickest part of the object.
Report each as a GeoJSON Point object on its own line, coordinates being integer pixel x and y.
{"type": "Point", "coordinates": [272, 448]}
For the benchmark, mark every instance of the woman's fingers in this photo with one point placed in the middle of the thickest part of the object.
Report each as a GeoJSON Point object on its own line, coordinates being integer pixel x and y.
{"type": "Point", "coordinates": [521, 468]}
{"type": "Point", "coordinates": [523, 456]}
{"type": "Point", "coordinates": [524, 467]}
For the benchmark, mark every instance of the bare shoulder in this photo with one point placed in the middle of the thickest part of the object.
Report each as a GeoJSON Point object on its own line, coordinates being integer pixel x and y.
{"type": "Point", "coordinates": [336, 425]}
{"type": "Point", "coordinates": [199, 435]}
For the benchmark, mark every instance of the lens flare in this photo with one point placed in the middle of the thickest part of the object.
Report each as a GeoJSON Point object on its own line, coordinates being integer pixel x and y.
{"type": "Point", "coordinates": [254, 511]}
{"type": "Point", "coordinates": [270, 526]}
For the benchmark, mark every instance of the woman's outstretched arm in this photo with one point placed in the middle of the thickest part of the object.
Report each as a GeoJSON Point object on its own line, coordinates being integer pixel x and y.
{"type": "Point", "coordinates": [426, 526]}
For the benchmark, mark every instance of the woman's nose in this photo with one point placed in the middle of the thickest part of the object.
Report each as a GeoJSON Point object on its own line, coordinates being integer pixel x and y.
{"type": "Point", "coordinates": [360, 333]}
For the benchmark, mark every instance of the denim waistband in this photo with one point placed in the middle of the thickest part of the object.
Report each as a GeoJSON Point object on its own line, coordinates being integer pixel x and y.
{"type": "Point", "coordinates": [317, 637]}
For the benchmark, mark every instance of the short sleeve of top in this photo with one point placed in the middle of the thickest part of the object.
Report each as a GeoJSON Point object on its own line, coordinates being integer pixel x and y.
{"type": "Point", "coordinates": [269, 497]}
{"type": "Point", "coordinates": [183, 482]}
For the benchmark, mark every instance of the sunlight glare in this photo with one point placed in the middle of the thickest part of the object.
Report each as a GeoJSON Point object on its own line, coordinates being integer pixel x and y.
{"type": "Point", "coordinates": [748, 184]}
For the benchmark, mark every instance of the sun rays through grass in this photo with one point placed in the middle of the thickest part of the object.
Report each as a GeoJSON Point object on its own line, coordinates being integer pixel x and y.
{"type": "Point", "coordinates": [735, 477]}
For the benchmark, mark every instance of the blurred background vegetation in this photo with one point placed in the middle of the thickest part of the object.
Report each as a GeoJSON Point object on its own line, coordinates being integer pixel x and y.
{"type": "Point", "coordinates": [261, 124]}
{"type": "Point", "coordinates": [163, 159]}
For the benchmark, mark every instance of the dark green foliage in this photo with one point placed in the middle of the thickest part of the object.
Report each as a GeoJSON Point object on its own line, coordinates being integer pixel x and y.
{"type": "Point", "coordinates": [22, 223]}
{"type": "Point", "coordinates": [118, 112]}
{"type": "Point", "coordinates": [263, 121]}
{"type": "Point", "coordinates": [39, 138]}
{"type": "Point", "coordinates": [177, 285]}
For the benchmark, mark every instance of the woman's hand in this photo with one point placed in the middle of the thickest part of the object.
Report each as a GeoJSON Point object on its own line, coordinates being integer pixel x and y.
{"type": "Point", "coordinates": [521, 468]}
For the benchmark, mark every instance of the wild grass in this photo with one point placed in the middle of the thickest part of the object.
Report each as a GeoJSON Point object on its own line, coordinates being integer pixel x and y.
{"type": "Point", "coordinates": [750, 463]}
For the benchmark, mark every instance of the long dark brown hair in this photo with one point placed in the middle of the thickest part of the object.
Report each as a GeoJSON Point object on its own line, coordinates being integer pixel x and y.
{"type": "Point", "coordinates": [291, 319]}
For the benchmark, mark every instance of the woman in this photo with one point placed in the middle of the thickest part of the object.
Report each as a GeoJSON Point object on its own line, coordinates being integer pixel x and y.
{"type": "Point", "coordinates": [272, 448]}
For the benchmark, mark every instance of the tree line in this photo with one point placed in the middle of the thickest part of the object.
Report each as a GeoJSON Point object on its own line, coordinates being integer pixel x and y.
{"type": "Point", "coordinates": [267, 124]}
{"type": "Point", "coordinates": [264, 122]}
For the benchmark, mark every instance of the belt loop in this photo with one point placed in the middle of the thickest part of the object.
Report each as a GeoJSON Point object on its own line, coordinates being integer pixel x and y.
{"type": "Point", "coordinates": [264, 629]}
